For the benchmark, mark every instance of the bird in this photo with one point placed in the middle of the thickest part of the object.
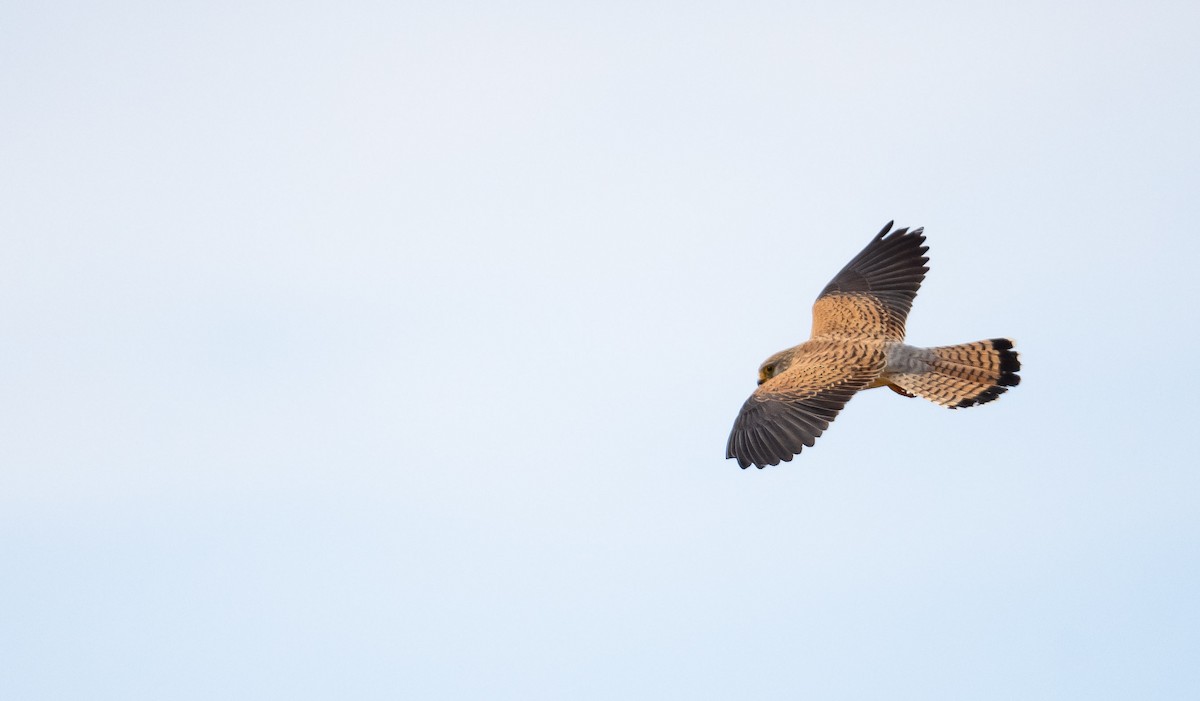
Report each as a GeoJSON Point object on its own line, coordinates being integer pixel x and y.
{"type": "Point", "coordinates": [857, 343]}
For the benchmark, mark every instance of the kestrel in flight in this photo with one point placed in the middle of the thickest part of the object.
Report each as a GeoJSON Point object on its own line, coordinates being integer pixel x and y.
{"type": "Point", "coordinates": [858, 343]}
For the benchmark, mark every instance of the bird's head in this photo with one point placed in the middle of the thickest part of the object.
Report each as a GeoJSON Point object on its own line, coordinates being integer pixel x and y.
{"type": "Point", "coordinates": [775, 365]}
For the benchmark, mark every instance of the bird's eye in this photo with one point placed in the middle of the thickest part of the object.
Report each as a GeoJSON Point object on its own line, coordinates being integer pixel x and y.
{"type": "Point", "coordinates": [769, 370]}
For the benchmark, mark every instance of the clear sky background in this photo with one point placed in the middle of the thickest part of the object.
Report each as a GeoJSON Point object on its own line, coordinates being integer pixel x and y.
{"type": "Point", "coordinates": [389, 350]}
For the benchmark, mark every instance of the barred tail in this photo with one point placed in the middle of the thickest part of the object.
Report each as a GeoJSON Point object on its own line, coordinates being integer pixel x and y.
{"type": "Point", "coordinates": [964, 375]}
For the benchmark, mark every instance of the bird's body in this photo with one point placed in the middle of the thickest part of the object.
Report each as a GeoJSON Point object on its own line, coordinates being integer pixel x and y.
{"type": "Point", "coordinates": [858, 343]}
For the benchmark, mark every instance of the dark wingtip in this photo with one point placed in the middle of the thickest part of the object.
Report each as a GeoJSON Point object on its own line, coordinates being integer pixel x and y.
{"type": "Point", "coordinates": [918, 232]}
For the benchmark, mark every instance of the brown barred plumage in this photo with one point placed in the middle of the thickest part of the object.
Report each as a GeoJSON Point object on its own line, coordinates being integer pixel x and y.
{"type": "Point", "coordinates": [858, 343]}
{"type": "Point", "coordinates": [964, 375]}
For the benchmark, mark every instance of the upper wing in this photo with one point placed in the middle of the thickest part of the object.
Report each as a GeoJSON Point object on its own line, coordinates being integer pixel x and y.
{"type": "Point", "coordinates": [872, 295]}
{"type": "Point", "coordinates": [791, 410]}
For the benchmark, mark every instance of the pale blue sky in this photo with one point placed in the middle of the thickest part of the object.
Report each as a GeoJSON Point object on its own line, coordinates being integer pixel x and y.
{"type": "Point", "coordinates": [389, 350]}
